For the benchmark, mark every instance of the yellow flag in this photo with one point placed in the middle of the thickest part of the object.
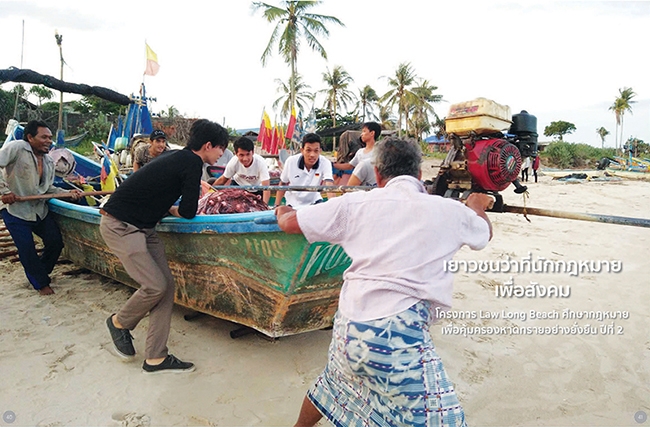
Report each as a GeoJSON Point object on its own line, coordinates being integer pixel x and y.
{"type": "Point", "coordinates": [152, 62]}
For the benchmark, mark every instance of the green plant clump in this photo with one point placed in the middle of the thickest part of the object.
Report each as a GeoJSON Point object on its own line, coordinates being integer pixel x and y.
{"type": "Point", "coordinates": [565, 155]}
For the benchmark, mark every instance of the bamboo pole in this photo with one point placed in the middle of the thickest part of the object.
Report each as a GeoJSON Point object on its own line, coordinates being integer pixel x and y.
{"type": "Point", "coordinates": [608, 219]}
{"type": "Point", "coordinates": [62, 195]}
{"type": "Point", "coordinates": [319, 188]}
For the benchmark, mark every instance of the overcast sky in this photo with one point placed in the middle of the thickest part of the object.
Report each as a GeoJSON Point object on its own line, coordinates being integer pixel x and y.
{"type": "Point", "coordinates": [558, 60]}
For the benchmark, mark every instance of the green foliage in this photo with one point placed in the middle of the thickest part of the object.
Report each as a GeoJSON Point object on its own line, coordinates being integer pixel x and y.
{"type": "Point", "coordinates": [91, 104]}
{"type": "Point", "coordinates": [97, 128]}
{"type": "Point", "coordinates": [566, 155]}
{"type": "Point", "coordinates": [7, 100]}
{"type": "Point", "coordinates": [559, 129]}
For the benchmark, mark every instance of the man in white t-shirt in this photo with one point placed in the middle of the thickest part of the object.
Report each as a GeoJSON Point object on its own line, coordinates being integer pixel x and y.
{"type": "Point", "coordinates": [399, 239]}
{"type": "Point", "coordinates": [308, 168]}
{"type": "Point", "coordinates": [246, 168]}
{"type": "Point", "coordinates": [364, 174]}
{"type": "Point", "coordinates": [370, 132]}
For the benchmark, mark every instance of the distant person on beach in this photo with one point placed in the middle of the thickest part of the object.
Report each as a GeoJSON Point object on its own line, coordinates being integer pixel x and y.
{"type": "Point", "coordinates": [370, 132]}
{"type": "Point", "coordinates": [535, 166]}
{"type": "Point", "coordinates": [147, 152]}
{"type": "Point", "coordinates": [246, 168]}
{"type": "Point", "coordinates": [127, 226]}
{"type": "Point", "coordinates": [28, 170]}
{"type": "Point", "coordinates": [524, 169]}
{"type": "Point", "coordinates": [382, 365]}
{"type": "Point", "coordinates": [308, 168]}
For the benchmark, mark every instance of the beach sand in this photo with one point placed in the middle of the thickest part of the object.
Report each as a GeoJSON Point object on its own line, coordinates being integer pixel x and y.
{"type": "Point", "coordinates": [58, 367]}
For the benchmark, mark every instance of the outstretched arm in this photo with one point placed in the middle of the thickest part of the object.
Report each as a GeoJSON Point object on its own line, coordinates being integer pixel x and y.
{"type": "Point", "coordinates": [287, 219]}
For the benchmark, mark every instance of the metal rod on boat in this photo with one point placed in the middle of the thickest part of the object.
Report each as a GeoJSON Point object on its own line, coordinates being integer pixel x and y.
{"type": "Point", "coordinates": [319, 188]}
{"type": "Point", "coordinates": [62, 195]}
{"type": "Point", "coordinates": [608, 219]}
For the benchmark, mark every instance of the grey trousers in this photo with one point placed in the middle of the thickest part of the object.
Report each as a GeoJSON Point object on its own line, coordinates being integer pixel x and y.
{"type": "Point", "coordinates": [142, 254]}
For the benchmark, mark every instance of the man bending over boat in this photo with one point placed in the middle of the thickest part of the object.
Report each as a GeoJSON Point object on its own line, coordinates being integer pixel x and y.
{"type": "Point", "coordinates": [382, 367]}
{"type": "Point", "coordinates": [28, 170]}
{"type": "Point", "coordinates": [246, 168]}
{"type": "Point", "coordinates": [127, 226]}
{"type": "Point", "coordinates": [308, 168]}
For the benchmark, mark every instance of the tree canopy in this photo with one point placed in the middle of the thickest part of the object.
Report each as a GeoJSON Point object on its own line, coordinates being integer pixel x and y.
{"type": "Point", "coordinates": [294, 22]}
{"type": "Point", "coordinates": [559, 129]}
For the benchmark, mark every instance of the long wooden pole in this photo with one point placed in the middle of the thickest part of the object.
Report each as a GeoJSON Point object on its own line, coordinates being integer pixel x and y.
{"type": "Point", "coordinates": [62, 195]}
{"type": "Point", "coordinates": [608, 219]}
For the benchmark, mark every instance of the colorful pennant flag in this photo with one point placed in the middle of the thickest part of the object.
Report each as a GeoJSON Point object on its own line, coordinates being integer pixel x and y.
{"type": "Point", "coordinates": [152, 62]}
{"type": "Point", "coordinates": [292, 123]}
{"type": "Point", "coordinates": [109, 173]}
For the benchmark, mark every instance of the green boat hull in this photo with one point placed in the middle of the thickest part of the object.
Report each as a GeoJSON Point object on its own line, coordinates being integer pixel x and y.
{"type": "Point", "coordinates": [273, 282]}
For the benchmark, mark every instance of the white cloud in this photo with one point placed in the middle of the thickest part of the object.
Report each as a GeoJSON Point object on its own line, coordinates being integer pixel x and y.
{"type": "Point", "coordinates": [558, 60]}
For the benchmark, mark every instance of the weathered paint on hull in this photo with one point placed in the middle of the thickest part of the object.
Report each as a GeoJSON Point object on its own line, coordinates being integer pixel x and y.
{"type": "Point", "coordinates": [276, 283]}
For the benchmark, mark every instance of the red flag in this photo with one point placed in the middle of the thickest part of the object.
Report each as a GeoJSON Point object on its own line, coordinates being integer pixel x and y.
{"type": "Point", "coordinates": [292, 124]}
{"type": "Point", "coordinates": [264, 136]}
{"type": "Point", "coordinates": [273, 149]}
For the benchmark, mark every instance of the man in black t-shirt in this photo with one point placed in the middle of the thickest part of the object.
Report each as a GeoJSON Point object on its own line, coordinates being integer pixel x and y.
{"type": "Point", "coordinates": [127, 226]}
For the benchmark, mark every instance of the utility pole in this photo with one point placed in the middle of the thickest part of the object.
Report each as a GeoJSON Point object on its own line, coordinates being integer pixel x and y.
{"type": "Point", "coordinates": [59, 41]}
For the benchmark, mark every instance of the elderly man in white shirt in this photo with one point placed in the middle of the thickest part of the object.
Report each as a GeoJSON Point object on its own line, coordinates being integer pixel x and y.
{"type": "Point", "coordinates": [308, 168]}
{"type": "Point", "coordinates": [382, 363]}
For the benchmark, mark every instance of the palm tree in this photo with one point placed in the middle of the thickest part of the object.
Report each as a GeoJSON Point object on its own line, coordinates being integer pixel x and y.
{"type": "Point", "coordinates": [620, 106]}
{"type": "Point", "coordinates": [302, 95]}
{"type": "Point", "coordinates": [400, 93]}
{"type": "Point", "coordinates": [337, 91]}
{"type": "Point", "coordinates": [602, 132]}
{"type": "Point", "coordinates": [293, 23]}
{"type": "Point", "coordinates": [386, 118]}
{"type": "Point", "coordinates": [367, 97]}
{"type": "Point", "coordinates": [421, 107]}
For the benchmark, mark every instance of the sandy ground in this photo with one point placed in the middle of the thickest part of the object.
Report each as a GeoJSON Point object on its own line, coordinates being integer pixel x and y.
{"type": "Point", "coordinates": [57, 367]}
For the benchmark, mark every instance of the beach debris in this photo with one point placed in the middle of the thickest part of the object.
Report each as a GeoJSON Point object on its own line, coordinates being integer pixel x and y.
{"type": "Point", "coordinates": [231, 200]}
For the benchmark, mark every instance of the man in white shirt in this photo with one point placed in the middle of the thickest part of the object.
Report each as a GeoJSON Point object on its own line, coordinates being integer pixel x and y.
{"type": "Point", "coordinates": [364, 174]}
{"type": "Point", "coordinates": [308, 168]}
{"type": "Point", "coordinates": [370, 133]}
{"type": "Point", "coordinates": [246, 168]}
{"type": "Point", "coordinates": [382, 363]}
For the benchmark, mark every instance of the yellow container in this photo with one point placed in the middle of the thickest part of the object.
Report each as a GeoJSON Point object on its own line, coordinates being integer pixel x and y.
{"type": "Point", "coordinates": [480, 115]}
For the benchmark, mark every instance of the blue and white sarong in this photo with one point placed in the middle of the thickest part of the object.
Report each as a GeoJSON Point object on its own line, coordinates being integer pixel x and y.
{"type": "Point", "coordinates": [386, 372]}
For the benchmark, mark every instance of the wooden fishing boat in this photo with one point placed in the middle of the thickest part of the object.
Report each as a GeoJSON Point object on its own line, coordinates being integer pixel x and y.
{"type": "Point", "coordinates": [641, 175]}
{"type": "Point", "coordinates": [238, 267]}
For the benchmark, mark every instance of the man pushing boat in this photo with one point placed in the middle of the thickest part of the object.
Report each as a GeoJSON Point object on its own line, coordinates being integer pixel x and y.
{"type": "Point", "coordinates": [383, 368]}
{"type": "Point", "coordinates": [127, 227]}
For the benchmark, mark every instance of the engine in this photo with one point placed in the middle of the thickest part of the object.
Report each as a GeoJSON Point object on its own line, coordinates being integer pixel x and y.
{"type": "Point", "coordinates": [481, 157]}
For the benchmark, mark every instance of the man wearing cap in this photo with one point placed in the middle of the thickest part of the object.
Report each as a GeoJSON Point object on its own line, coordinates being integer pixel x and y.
{"type": "Point", "coordinates": [146, 153]}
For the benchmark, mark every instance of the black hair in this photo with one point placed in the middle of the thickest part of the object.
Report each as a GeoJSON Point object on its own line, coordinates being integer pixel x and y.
{"type": "Point", "coordinates": [203, 131]}
{"type": "Point", "coordinates": [244, 144]}
{"type": "Point", "coordinates": [373, 127]}
{"type": "Point", "coordinates": [311, 138]}
{"type": "Point", "coordinates": [31, 128]}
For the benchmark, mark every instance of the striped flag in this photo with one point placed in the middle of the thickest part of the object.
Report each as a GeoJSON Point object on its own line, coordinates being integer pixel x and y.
{"type": "Point", "coordinates": [292, 124]}
{"type": "Point", "coordinates": [152, 62]}
{"type": "Point", "coordinates": [108, 174]}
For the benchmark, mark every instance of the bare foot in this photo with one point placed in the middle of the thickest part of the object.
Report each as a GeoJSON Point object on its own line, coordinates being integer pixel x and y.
{"type": "Point", "coordinates": [46, 290]}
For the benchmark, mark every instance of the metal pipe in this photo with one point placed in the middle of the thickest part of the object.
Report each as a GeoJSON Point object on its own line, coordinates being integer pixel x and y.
{"type": "Point", "coordinates": [319, 188]}
{"type": "Point", "coordinates": [608, 219]}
